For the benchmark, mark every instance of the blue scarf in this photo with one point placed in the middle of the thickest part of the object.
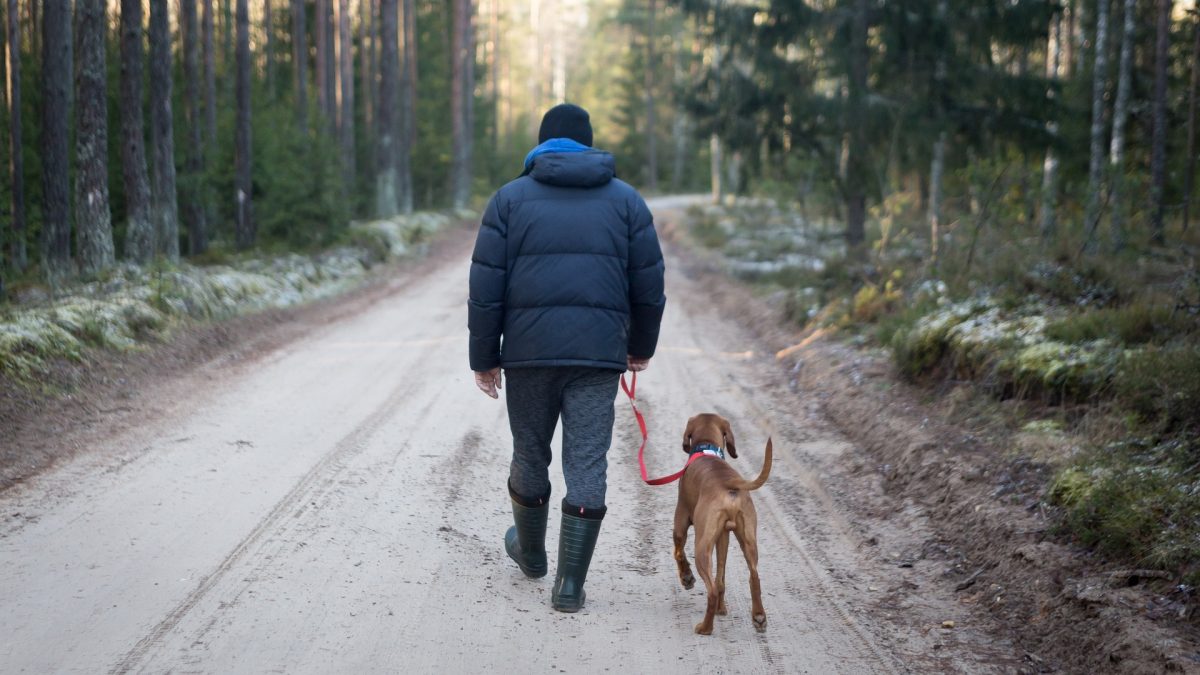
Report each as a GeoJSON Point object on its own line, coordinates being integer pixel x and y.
{"type": "Point", "coordinates": [554, 145]}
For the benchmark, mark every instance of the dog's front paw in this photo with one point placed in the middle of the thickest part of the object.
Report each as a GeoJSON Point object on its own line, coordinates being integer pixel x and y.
{"type": "Point", "coordinates": [760, 622]}
{"type": "Point", "coordinates": [687, 580]}
{"type": "Point", "coordinates": [703, 629]}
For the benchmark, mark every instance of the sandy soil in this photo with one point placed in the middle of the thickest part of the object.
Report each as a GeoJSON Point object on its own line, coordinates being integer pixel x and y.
{"type": "Point", "coordinates": [335, 502]}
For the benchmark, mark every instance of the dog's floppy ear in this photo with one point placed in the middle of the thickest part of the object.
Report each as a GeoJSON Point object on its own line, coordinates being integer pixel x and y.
{"type": "Point", "coordinates": [727, 435]}
{"type": "Point", "coordinates": [687, 436]}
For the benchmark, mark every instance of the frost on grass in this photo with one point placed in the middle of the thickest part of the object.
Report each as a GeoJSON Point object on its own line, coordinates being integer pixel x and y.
{"type": "Point", "coordinates": [132, 304]}
{"type": "Point", "coordinates": [1007, 349]}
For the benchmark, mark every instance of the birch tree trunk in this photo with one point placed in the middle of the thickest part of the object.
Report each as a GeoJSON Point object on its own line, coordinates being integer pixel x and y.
{"type": "Point", "coordinates": [346, 118]}
{"type": "Point", "coordinates": [1120, 117]}
{"type": "Point", "coordinates": [18, 256]}
{"type": "Point", "coordinates": [300, 62]}
{"type": "Point", "coordinates": [56, 106]}
{"type": "Point", "coordinates": [385, 179]}
{"type": "Point", "coordinates": [937, 165]}
{"type": "Point", "coordinates": [1096, 161]}
{"type": "Point", "coordinates": [1054, 53]}
{"type": "Point", "coordinates": [140, 243]}
{"type": "Point", "coordinates": [244, 207]}
{"type": "Point", "coordinates": [162, 134]}
{"type": "Point", "coordinates": [93, 220]}
{"type": "Point", "coordinates": [1158, 141]}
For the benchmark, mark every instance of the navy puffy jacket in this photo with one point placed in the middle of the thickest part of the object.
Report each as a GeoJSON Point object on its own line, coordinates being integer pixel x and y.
{"type": "Point", "coordinates": [567, 268]}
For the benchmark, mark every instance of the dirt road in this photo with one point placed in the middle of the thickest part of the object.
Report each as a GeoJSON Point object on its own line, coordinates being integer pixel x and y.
{"type": "Point", "coordinates": [338, 506]}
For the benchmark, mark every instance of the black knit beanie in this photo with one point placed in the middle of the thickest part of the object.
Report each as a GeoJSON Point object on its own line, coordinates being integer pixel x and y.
{"type": "Point", "coordinates": [566, 120]}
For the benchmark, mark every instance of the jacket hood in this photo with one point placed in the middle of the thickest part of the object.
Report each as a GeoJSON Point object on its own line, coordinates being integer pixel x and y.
{"type": "Point", "coordinates": [575, 169]}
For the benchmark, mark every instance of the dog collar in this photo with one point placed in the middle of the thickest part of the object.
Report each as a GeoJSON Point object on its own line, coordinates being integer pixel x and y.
{"type": "Point", "coordinates": [708, 449]}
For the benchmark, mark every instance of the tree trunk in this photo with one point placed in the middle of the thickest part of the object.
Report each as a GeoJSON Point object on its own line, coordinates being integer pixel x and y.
{"type": "Point", "coordinates": [194, 208]}
{"type": "Point", "coordinates": [1158, 149]}
{"type": "Point", "coordinates": [494, 29]}
{"type": "Point", "coordinates": [1189, 178]}
{"type": "Point", "coordinates": [93, 220]}
{"type": "Point", "coordinates": [56, 107]}
{"type": "Point", "coordinates": [1120, 117]}
{"type": "Point", "coordinates": [714, 169]}
{"type": "Point", "coordinates": [365, 42]}
{"type": "Point", "coordinates": [937, 168]}
{"type": "Point", "coordinates": [300, 62]}
{"type": "Point", "coordinates": [162, 134]}
{"type": "Point", "coordinates": [650, 78]}
{"type": "Point", "coordinates": [385, 179]}
{"type": "Point", "coordinates": [408, 110]}
{"type": "Point", "coordinates": [1054, 53]}
{"type": "Point", "coordinates": [269, 51]}
{"type": "Point", "coordinates": [140, 244]}
{"type": "Point", "coordinates": [346, 58]}
{"type": "Point", "coordinates": [331, 70]}
{"type": "Point", "coordinates": [322, 47]}
{"type": "Point", "coordinates": [461, 89]}
{"type": "Point", "coordinates": [937, 165]}
{"type": "Point", "coordinates": [243, 208]}
{"type": "Point", "coordinates": [18, 256]}
{"type": "Point", "coordinates": [1096, 161]}
{"type": "Point", "coordinates": [856, 164]}
{"type": "Point", "coordinates": [210, 76]}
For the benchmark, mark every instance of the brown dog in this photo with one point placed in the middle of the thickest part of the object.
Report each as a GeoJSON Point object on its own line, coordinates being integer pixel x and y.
{"type": "Point", "coordinates": [716, 500]}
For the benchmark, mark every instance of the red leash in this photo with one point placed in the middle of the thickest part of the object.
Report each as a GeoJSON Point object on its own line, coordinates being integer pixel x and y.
{"type": "Point", "coordinates": [630, 389]}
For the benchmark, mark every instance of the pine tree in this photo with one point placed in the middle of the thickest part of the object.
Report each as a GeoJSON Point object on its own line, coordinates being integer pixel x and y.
{"type": "Point", "coordinates": [140, 242]}
{"type": "Point", "coordinates": [1158, 140]}
{"type": "Point", "coordinates": [162, 134]}
{"type": "Point", "coordinates": [18, 256]}
{"type": "Point", "coordinates": [386, 204]}
{"type": "Point", "coordinates": [194, 203]}
{"type": "Point", "coordinates": [346, 116]}
{"type": "Point", "coordinates": [210, 74]}
{"type": "Point", "coordinates": [408, 111]}
{"type": "Point", "coordinates": [56, 107]}
{"type": "Point", "coordinates": [300, 62]}
{"type": "Point", "coordinates": [93, 220]}
{"type": "Point", "coordinates": [462, 88]}
{"type": "Point", "coordinates": [1120, 117]}
{"type": "Point", "coordinates": [1099, 85]}
{"type": "Point", "coordinates": [244, 212]}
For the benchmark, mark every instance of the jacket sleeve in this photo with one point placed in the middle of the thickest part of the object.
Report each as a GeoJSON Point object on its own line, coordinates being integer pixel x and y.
{"type": "Point", "coordinates": [646, 298]}
{"type": "Point", "coordinates": [489, 272]}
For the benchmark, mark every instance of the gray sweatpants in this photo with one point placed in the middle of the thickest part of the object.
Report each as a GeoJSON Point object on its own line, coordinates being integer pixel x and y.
{"type": "Point", "coordinates": [584, 398]}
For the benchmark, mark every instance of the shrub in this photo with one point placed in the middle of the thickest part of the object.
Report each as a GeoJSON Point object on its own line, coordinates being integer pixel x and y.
{"type": "Point", "coordinates": [1162, 386]}
{"type": "Point", "coordinates": [1130, 325]}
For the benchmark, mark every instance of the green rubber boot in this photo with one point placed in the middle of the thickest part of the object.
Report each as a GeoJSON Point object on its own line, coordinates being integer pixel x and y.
{"type": "Point", "coordinates": [525, 542]}
{"type": "Point", "coordinates": [576, 542]}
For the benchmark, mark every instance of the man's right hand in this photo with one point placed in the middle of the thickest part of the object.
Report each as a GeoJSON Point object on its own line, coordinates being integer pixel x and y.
{"type": "Point", "coordinates": [489, 382]}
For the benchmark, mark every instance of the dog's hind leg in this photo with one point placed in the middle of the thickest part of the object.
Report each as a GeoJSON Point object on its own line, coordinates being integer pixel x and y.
{"type": "Point", "coordinates": [722, 553]}
{"type": "Point", "coordinates": [748, 537]}
{"type": "Point", "coordinates": [679, 534]}
{"type": "Point", "coordinates": [704, 560]}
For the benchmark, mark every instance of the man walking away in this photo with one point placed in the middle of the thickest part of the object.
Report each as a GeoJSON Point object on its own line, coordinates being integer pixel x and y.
{"type": "Point", "coordinates": [566, 294]}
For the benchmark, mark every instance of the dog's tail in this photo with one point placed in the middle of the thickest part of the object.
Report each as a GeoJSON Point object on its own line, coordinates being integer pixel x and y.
{"type": "Point", "coordinates": [743, 484]}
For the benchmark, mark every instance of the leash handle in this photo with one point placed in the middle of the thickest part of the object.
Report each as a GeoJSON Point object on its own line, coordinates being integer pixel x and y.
{"type": "Point", "coordinates": [630, 391]}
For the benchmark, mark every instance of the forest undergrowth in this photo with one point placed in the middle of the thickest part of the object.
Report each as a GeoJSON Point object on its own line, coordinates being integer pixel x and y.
{"type": "Point", "coordinates": [1091, 360]}
{"type": "Point", "coordinates": [129, 307]}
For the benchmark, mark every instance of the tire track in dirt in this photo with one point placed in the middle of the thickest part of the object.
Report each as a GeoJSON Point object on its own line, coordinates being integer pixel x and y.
{"type": "Point", "coordinates": [317, 480]}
